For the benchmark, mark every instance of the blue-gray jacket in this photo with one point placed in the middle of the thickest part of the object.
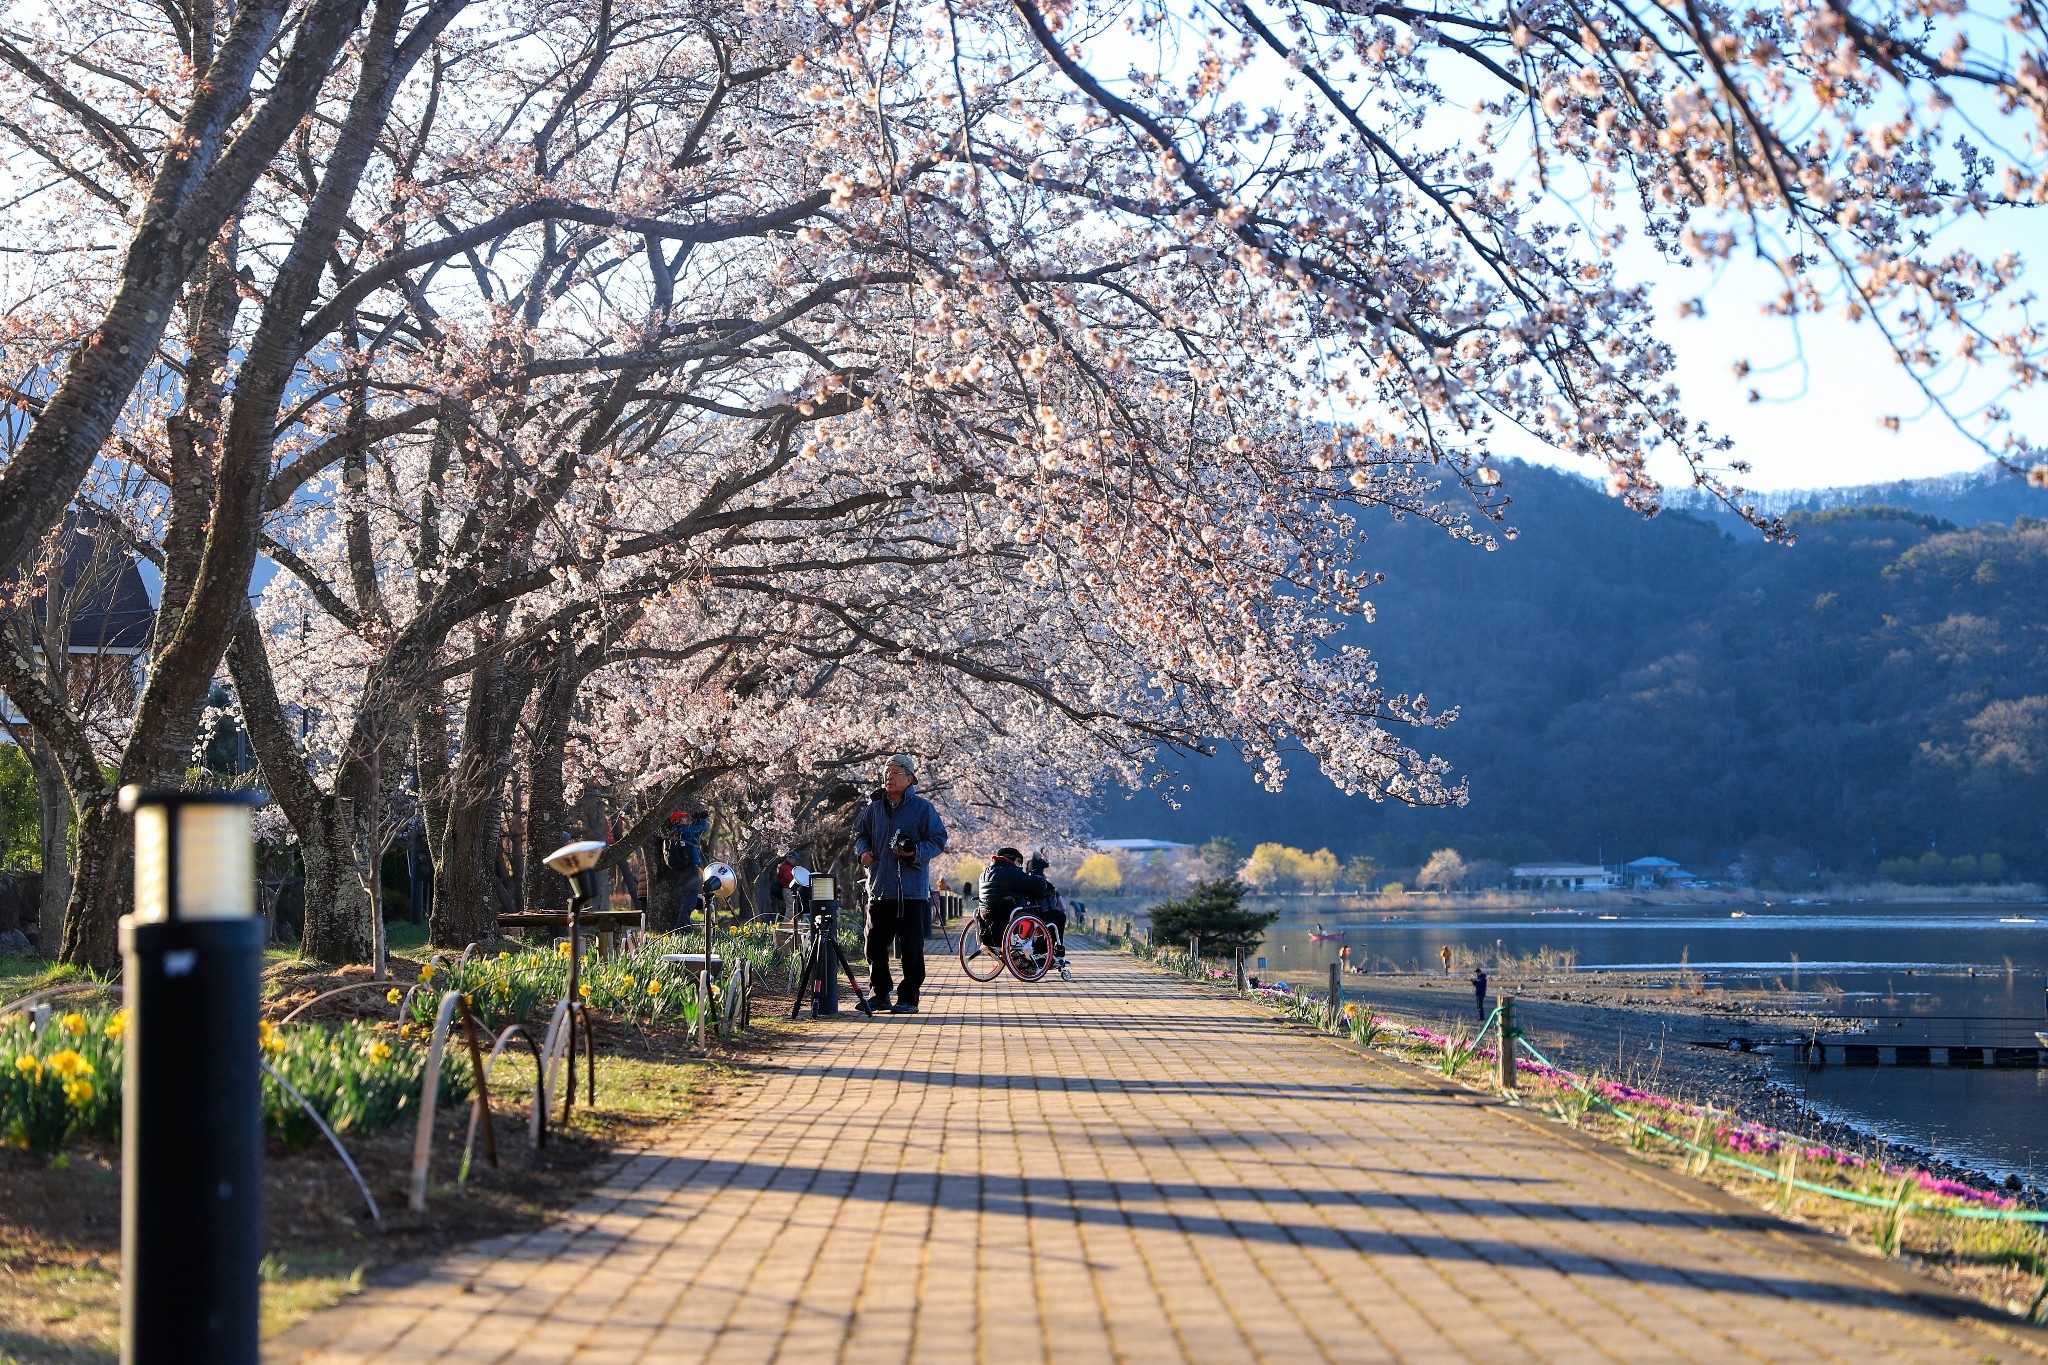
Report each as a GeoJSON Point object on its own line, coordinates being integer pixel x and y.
{"type": "Point", "coordinates": [878, 826]}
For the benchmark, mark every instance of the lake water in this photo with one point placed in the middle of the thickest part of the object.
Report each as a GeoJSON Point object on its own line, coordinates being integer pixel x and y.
{"type": "Point", "coordinates": [1939, 973]}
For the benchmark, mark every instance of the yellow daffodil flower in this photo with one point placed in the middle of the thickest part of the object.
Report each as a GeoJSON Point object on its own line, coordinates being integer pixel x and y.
{"type": "Point", "coordinates": [394, 995]}
{"type": "Point", "coordinates": [378, 1052]}
{"type": "Point", "coordinates": [117, 1025]}
{"type": "Point", "coordinates": [28, 1066]}
{"type": "Point", "coordinates": [654, 986]}
{"type": "Point", "coordinates": [584, 991]}
{"type": "Point", "coordinates": [68, 1065]}
{"type": "Point", "coordinates": [78, 1092]}
{"type": "Point", "coordinates": [427, 972]}
{"type": "Point", "coordinates": [74, 1024]}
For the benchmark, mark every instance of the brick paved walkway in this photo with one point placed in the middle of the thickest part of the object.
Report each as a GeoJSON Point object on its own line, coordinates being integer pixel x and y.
{"type": "Point", "coordinates": [1128, 1168]}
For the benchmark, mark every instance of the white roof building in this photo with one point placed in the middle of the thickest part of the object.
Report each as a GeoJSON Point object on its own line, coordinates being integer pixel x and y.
{"type": "Point", "coordinates": [1565, 876]}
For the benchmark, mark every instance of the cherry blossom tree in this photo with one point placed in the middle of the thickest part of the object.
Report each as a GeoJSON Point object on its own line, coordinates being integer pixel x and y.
{"type": "Point", "coordinates": [593, 368]}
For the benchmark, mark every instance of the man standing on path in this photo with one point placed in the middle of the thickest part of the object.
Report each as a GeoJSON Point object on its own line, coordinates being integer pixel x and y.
{"type": "Point", "coordinates": [1479, 990]}
{"type": "Point", "coordinates": [897, 837]}
{"type": "Point", "coordinates": [1445, 953]}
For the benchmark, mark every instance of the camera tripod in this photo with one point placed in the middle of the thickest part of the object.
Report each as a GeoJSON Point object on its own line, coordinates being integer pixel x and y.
{"type": "Point", "coordinates": [818, 973]}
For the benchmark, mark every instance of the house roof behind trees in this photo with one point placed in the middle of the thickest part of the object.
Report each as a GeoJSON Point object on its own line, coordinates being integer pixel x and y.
{"type": "Point", "coordinates": [117, 616]}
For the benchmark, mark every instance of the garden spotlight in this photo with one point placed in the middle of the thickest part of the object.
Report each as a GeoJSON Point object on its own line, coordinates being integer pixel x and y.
{"type": "Point", "coordinates": [574, 861]}
{"type": "Point", "coordinates": [720, 881]}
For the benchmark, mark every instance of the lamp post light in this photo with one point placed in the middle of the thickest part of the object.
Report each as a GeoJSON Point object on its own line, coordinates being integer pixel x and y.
{"type": "Point", "coordinates": [192, 1101]}
{"type": "Point", "coordinates": [575, 862]}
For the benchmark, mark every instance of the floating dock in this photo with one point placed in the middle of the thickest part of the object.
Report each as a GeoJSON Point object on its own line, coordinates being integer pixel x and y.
{"type": "Point", "coordinates": [1824, 1054]}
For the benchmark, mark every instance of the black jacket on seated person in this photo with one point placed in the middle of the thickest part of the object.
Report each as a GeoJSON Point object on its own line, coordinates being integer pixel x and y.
{"type": "Point", "coordinates": [1005, 886]}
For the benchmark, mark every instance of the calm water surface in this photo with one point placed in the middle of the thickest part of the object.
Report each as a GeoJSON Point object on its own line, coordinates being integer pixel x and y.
{"type": "Point", "coordinates": [1938, 973]}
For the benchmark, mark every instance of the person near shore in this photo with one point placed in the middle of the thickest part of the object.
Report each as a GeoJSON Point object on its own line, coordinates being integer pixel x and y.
{"type": "Point", "coordinates": [897, 837]}
{"type": "Point", "coordinates": [1445, 953]}
{"type": "Point", "coordinates": [1479, 989]}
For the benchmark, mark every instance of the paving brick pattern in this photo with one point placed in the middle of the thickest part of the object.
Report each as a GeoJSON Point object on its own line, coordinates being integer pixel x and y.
{"type": "Point", "coordinates": [1127, 1168]}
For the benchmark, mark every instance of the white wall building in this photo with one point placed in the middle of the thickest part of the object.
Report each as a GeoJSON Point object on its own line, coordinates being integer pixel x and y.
{"type": "Point", "coordinates": [1564, 877]}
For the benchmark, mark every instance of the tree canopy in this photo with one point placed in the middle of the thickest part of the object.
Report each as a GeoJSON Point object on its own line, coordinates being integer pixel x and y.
{"type": "Point", "coordinates": [649, 402]}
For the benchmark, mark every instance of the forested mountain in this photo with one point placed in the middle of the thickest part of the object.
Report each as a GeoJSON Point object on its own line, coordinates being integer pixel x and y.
{"type": "Point", "coordinates": [1629, 687]}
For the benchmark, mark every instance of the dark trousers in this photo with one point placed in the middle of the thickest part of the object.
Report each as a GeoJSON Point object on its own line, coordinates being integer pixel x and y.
{"type": "Point", "coordinates": [899, 924]}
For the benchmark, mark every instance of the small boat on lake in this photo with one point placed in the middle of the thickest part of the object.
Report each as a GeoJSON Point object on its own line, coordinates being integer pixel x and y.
{"type": "Point", "coordinates": [1321, 935]}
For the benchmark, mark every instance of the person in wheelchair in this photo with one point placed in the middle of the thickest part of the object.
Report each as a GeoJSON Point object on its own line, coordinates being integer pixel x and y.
{"type": "Point", "coordinates": [1006, 885]}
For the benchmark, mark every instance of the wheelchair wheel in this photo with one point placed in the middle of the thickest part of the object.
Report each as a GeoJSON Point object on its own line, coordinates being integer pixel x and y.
{"type": "Point", "coordinates": [1028, 948]}
{"type": "Point", "coordinates": [977, 959]}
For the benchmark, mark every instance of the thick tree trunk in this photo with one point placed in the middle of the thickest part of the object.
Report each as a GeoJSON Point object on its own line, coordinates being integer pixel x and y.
{"type": "Point", "coordinates": [430, 753]}
{"type": "Point", "coordinates": [547, 821]}
{"type": "Point", "coordinates": [53, 845]}
{"type": "Point", "coordinates": [548, 817]}
{"type": "Point", "coordinates": [103, 883]}
{"type": "Point", "coordinates": [338, 927]}
{"type": "Point", "coordinates": [337, 911]}
{"type": "Point", "coordinates": [664, 894]}
{"type": "Point", "coordinates": [466, 900]}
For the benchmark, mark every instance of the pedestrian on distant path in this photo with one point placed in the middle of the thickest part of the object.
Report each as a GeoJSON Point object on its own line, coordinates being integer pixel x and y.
{"type": "Point", "coordinates": [1445, 953]}
{"type": "Point", "coordinates": [897, 837]}
{"type": "Point", "coordinates": [1479, 989]}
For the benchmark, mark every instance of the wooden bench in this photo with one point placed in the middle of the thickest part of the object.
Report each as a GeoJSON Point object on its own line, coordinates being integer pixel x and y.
{"type": "Point", "coordinates": [606, 923]}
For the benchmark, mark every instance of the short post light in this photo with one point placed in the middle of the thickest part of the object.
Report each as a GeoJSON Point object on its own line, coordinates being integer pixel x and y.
{"type": "Point", "coordinates": [575, 861]}
{"type": "Point", "coordinates": [192, 1100]}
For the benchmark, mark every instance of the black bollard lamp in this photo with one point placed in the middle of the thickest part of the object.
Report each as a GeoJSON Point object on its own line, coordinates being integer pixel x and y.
{"type": "Point", "coordinates": [192, 1094]}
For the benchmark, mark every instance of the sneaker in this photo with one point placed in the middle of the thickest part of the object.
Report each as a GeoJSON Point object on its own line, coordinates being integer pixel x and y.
{"type": "Point", "coordinates": [904, 1007]}
{"type": "Point", "coordinates": [878, 1004]}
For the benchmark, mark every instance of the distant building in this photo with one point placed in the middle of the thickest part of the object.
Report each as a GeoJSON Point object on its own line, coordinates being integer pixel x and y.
{"type": "Point", "coordinates": [101, 591]}
{"type": "Point", "coordinates": [1563, 877]}
{"type": "Point", "coordinates": [1138, 847]}
{"type": "Point", "coordinates": [1652, 872]}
